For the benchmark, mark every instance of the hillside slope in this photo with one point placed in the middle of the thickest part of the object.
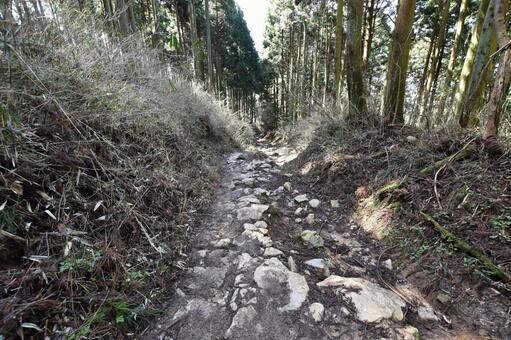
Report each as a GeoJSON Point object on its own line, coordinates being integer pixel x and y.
{"type": "Point", "coordinates": [107, 155]}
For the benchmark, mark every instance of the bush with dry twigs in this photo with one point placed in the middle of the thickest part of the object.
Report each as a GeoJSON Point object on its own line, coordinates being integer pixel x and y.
{"type": "Point", "coordinates": [107, 156]}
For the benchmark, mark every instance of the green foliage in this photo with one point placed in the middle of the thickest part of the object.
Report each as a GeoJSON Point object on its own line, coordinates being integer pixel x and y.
{"type": "Point", "coordinates": [83, 263]}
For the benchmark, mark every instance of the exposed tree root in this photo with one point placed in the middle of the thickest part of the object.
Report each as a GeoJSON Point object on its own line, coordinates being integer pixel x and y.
{"type": "Point", "coordinates": [469, 249]}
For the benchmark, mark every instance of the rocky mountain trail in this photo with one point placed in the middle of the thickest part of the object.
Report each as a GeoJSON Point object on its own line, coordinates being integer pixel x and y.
{"type": "Point", "coordinates": [273, 261]}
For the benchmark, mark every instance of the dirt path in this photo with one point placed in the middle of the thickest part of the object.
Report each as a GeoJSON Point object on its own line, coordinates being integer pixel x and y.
{"type": "Point", "coordinates": [272, 262]}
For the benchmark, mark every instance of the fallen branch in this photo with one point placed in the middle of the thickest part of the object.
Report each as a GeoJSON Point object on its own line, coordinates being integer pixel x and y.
{"type": "Point", "coordinates": [469, 249]}
{"type": "Point", "coordinates": [463, 153]}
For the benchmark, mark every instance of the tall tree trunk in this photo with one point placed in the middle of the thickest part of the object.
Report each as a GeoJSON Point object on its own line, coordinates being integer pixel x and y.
{"type": "Point", "coordinates": [8, 19]}
{"type": "Point", "coordinates": [422, 83]}
{"type": "Point", "coordinates": [195, 41]}
{"type": "Point", "coordinates": [393, 101]}
{"type": "Point", "coordinates": [368, 41]}
{"type": "Point", "coordinates": [339, 30]}
{"type": "Point", "coordinates": [447, 90]}
{"type": "Point", "coordinates": [123, 17]}
{"type": "Point", "coordinates": [503, 80]}
{"type": "Point", "coordinates": [356, 92]}
{"type": "Point", "coordinates": [326, 77]}
{"type": "Point", "coordinates": [208, 46]}
{"type": "Point", "coordinates": [480, 70]}
{"type": "Point", "coordinates": [466, 72]}
{"type": "Point", "coordinates": [436, 60]}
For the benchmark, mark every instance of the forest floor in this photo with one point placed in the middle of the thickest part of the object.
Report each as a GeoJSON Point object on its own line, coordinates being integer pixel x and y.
{"type": "Point", "coordinates": [275, 258]}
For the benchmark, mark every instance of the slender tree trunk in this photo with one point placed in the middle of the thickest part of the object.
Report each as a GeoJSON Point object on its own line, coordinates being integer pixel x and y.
{"type": "Point", "coordinates": [123, 17]}
{"type": "Point", "coordinates": [447, 90]}
{"type": "Point", "coordinates": [436, 61]}
{"type": "Point", "coordinates": [7, 16]}
{"type": "Point", "coordinates": [422, 83]}
{"type": "Point", "coordinates": [393, 101]}
{"type": "Point", "coordinates": [195, 41]}
{"type": "Point", "coordinates": [368, 41]}
{"type": "Point", "coordinates": [326, 77]}
{"type": "Point", "coordinates": [503, 80]}
{"type": "Point", "coordinates": [467, 69]}
{"type": "Point", "coordinates": [339, 30]}
{"type": "Point", "coordinates": [356, 91]}
{"type": "Point", "coordinates": [208, 46]}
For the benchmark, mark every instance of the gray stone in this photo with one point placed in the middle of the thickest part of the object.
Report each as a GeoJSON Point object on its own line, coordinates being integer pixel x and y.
{"type": "Point", "coordinates": [271, 252]}
{"type": "Point", "coordinates": [312, 239]}
{"type": "Point", "coordinates": [299, 211]}
{"type": "Point", "coordinates": [372, 302]}
{"type": "Point", "coordinates": [292, 264]}
{"type": "Point", "coordinates": [317, 310]}
{"type": "Point", "coordinates": [335, 203]}
{"type": "Point", "coordinates": [261, 224]}
{"type": "Point", "coordinates": [288, 186]}
{"type": "Point", "coordinates": [408, 333]}
{"type": "Point", "coordinates": [254, 212]}
{"type": "Point", "coordinates": [261, 191]}
{"type": "Point", "coordinates": [444, 298]}
{"type": "Point", "coordinates": [245, 261]}
{"type": "Point", "coordinates": [287, 288]}
{"type": "Point", "coordinates": [317, 263]}
{"type": "Point", "coordinates": [314, 203]}
{"type": "Point", "coordinates": [301, 198]}
{"type": "Point", "coordinates": [222, 243]}
{"type": "Point", "coordinates": [426, 313]}
{"type": "Point", "coordinates": [243, 319]}
{"type": "Point", "coordinates": [310, 219]}
{"type": "Point", "coordinates": [387, 264]}
{"type": "Point", "coordinates": [411, 139]}
{"type": "Point", "coordinates": [248, 181]}
{"type": "Point", "coordinates": [259, 237]}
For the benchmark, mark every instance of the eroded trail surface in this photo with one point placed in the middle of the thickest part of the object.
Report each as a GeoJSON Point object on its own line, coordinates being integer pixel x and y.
{"type": "Point", "coordinates": [271, 261]}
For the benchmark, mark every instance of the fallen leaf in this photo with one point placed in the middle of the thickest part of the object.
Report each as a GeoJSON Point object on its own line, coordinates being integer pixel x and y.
{"type": "Point", "coordinates": [17, 188]}
{"type": "Point", "coordinates": [97, 205]}
{"type": "Point", "coordinates": [50, 214]}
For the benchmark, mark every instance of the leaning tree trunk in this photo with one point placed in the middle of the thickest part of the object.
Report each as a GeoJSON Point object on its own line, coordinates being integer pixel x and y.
{"type": "Point", "coordinates": [466, 71]}
{"type": "Point", "coordinates": [356, 92]}
{"type": "Point", "coordinates": [480, 70]}
{"type": "Point", "coordinates": [393, 101]}
{"type": "Point", "coordinates": [502, 83]}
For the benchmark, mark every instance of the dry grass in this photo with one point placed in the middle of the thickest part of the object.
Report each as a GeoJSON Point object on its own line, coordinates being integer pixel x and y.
{"type": "Point", "coordinates": [107, 156]}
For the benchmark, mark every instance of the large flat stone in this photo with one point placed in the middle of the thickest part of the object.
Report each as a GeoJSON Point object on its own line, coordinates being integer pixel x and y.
{"type": "Point", "coordinates": [289, 290]}
{"type": "Point", "coordinates": [253, 212]}
{"type": "Point", "coordinates": [372, 302]}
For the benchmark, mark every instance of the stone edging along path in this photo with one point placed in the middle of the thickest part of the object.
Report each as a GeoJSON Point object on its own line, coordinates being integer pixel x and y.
{"type": "Point", "coordinates": [263, 266]}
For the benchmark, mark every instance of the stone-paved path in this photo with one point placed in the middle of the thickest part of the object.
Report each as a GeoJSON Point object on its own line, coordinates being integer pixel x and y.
{"type": "Point", "coordinates": [269, 263]}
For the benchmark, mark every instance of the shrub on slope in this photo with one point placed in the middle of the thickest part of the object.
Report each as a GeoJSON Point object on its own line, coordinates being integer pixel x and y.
{"type": "Point", "coordinates": [106, 156]}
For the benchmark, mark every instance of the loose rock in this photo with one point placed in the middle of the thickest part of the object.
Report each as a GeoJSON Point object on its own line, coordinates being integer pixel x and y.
{"type": "Point", "coordinates": [312, 239]}
{"type": "Point", "coordinates": [271, 252]}
{"type": "Point", "coordinates": [310, 219]}
{"type": "Point", "coordinates": [254, 212]}
{"type": "Point", "coordinates": [288, 186]}
{"type": "Point", "coordinates": [426, 313]}
{"type": "Point", "coordinates": [317, 310]}
{"type": "Point", "coordinates": [334, 203]}
{"type": "Point", "coordinates": [314, 203]}
{"type": "Point", "coordinates": [301, 198]}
